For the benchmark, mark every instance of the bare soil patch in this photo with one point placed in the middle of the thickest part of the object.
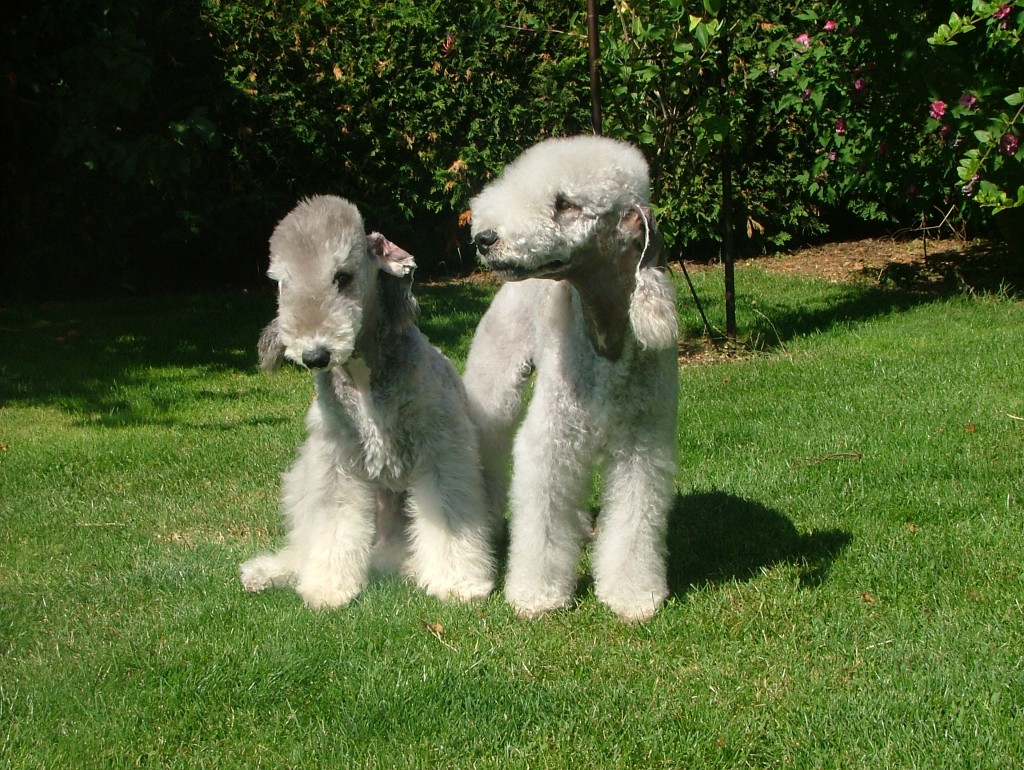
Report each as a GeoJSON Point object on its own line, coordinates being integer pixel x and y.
{"type": "Point", "coordinates": [917, 264]}
{"type": "Point", "coordinates": [922, 266]}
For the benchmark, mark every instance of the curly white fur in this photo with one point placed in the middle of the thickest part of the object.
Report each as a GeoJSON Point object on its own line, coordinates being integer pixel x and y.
{"type": "Point", "coordinates": [589, 308]}
{"type": "Point", "coordinates": [390, 471]}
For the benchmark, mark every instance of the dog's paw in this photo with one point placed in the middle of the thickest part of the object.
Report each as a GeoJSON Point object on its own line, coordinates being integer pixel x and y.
{"type": "Point", "coordinates": [531, 607]}
{"type": "Point", "coordinates": [637, 608]}
{"type": "Point", "coordinates": [262, 572]}
{"type": "Point", "coordinates": [531, 596]}
{"type": "Point", "coordinates": [323, 596]}
{"type": "Point", "coordinates": [465, 591]}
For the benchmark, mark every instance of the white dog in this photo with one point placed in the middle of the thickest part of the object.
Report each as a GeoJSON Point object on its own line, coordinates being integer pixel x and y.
{"type": "Point", "coordinates": [588, 307]}
{"type": "Point", "coordinates": [389, 423]}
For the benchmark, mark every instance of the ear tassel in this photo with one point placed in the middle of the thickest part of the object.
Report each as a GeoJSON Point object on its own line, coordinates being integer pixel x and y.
{"type": "Point", "coordinates": [652, 310]}
{"type": "Point", "coordinates": [647, 239]}
{"type": "Point", "coordinates": [652, 306]}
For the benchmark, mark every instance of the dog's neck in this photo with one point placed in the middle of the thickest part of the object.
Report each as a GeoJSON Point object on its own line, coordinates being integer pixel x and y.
{"type": "Point", "coordinates": [369, 356]}
{"type": "Point", "coordinates": [605, 287]}
{"type": "Point", "coordinates": [366, 356]}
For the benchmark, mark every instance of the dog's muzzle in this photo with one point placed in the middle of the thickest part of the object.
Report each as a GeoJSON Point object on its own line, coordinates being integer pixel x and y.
{"type": "Point", "coordinates": [510, 270]}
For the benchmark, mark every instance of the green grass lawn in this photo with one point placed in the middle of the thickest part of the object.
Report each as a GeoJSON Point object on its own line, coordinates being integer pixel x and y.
{"type": "Point", "coordinates": [846, 557]}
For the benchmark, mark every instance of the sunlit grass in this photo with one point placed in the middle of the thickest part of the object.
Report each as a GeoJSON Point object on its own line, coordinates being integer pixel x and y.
{"type": "Point", "coordinates": [846, 558]}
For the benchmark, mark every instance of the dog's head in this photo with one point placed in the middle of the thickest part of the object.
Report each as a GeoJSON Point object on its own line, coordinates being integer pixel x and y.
{"type": "Point", "coordinates": [328, 273]}
{"type": "Point", "coordinates": [556, 203]}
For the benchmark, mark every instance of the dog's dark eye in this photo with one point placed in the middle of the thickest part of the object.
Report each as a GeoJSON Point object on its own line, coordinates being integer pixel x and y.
{"type": "Point", "coordinates": [563, 204]}
{"type": "Point", "coordinates": [342, 279]}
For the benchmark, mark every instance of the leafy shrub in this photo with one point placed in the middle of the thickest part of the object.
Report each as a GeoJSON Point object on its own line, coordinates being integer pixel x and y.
{"type": "Point", "coordinates": [819, 107]}
{"type": "Point", "coordinates": [404, 107]}
{"type": "Point", "coordinates": [984, 124]}
{"type": "Point", "coordinates": [153, 145]}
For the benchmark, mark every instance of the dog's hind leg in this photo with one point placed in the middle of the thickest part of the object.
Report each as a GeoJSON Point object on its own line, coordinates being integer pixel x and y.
{"type": "Point", "coordinates": [268, 570]}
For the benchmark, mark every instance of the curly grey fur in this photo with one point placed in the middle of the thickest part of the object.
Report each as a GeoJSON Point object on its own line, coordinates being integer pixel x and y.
{"type": "Point", "coordinates": [390, 470]}
{"type": "Point", "coordinates": [588, 307]}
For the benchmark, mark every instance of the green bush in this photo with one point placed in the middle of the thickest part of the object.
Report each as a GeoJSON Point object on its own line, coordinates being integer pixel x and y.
{"type": "Point", "coordinates": [405, 107]}
{"type": "Point", "coordinates": [153, 145]}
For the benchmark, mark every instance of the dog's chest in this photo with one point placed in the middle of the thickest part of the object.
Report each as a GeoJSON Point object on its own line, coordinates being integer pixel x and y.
{"type": "Point", "coordinates": [595, 394]}
{"type": "Point", "coordinates": [379, 438]}
{"type": "Point", "coordinates": [375, 444]}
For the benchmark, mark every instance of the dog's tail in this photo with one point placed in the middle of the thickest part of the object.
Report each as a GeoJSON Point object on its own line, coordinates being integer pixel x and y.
{"type": "Point", "coordinates": [270, 348]}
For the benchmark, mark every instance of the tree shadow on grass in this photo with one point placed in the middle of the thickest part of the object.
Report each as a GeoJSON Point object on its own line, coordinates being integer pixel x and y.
{"type": "Point", "coordinates": [984, 267]}
{"type": "Point", "coordinates": [94, 359]}
{"type": "Point", "coordinates": [716, 538]}
{"type": "Point", "coordinates": [981, 268]}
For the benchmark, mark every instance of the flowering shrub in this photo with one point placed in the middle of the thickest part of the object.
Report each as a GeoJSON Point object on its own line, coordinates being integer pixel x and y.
{"type": "Point", "coordinates": [983, 125]}
{"type": "Point", "coordinates": [837, 82]}
{"type": "Point", "coordinates": [818, 106]}
{"type": "Point", "coordinates": [831, 109]}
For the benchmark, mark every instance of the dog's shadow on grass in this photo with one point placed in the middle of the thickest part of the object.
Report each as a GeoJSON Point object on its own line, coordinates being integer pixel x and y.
{"type": "Point", "coordinates": [716, 538]}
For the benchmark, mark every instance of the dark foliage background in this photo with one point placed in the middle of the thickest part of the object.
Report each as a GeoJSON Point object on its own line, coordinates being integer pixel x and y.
{"type": "Point", "coordinates": [151, 145]}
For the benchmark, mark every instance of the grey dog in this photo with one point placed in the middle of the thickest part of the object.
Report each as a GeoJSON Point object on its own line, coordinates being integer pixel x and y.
{"type": "Point", "coordinates": [390, 471]}
{"type": "Point", "coordinates": [588, 307]}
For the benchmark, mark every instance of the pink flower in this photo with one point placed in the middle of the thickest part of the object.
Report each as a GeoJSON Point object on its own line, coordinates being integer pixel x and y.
{"type": "Point", "coordinates": [840, 126]}
{"type": "Point", "coordinates": [937, 109]}
{"type": "Point", "coordinates": [830, 26]}
{"type": "Point", "coordinates": [944, 131]}
{"type": "Point", "coordinates": [860, 87]}
{"type": "Point", "coordinates": [1003, 15]}
{"type": "Point", "coordinates": [1008, 144]}
{"type": "Point", "coordinates": [803, 39]}
{"type": "Point", "coordinates": [970, 101]}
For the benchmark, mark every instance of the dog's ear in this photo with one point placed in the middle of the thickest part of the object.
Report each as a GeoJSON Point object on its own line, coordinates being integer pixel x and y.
{"type": "Point", "coordinates": [397, 267]}
{"type": "Point", "coordinates": [637, 224]}
{"type": "Point", "coordinates": [270, 348]}
{"type": "Point", "coordinates": [392, 259]}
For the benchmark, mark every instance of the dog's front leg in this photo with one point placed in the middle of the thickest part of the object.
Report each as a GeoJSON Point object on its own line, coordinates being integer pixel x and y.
{"type": "Point", "coordinates": [498, 369]}
{"type": "Point", "coordinates": [628, 558]}
{"type": "Point", "coordinates": [332, 526]}
{"type": "Point", "coordinates": [553, 464]}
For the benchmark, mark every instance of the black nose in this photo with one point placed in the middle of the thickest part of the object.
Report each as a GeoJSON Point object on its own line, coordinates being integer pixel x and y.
{"type": "Point", "coordinates": [484, 240]}
{"type": "Point", "coordinates": [318, 358]}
